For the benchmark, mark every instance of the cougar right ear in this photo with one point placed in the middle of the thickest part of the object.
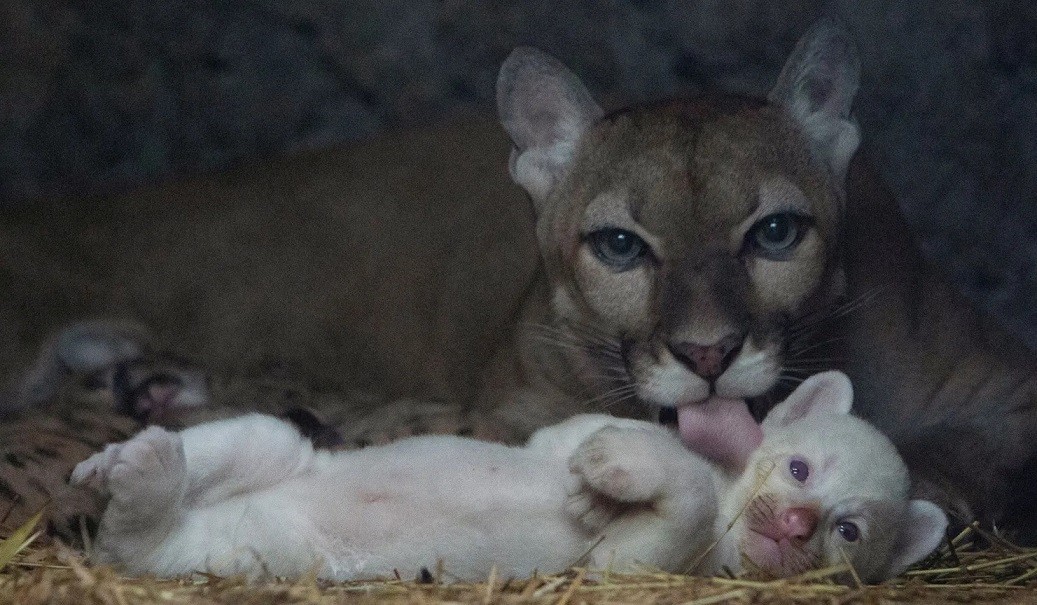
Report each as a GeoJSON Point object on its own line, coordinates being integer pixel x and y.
{"type": "Point", "coordinates": [545, 109]}
{"type": "Point", "coordinates": [817, 87]}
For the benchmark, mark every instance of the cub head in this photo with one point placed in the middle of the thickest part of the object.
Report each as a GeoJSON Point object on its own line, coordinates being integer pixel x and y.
{"type": "Point", "coordinates": [826, 488]}
{"type": "Point", "coordinates": [685, 240]}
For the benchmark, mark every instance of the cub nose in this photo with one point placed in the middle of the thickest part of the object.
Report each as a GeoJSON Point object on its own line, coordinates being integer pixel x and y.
{"type": "Point", "coordinates": [798, 523]}
{"type": "Point", "coordinates": [708, 361]}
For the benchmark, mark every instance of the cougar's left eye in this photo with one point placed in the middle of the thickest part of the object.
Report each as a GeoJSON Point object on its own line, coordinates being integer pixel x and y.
{"type": "Point", "coordinates": [849, 531]}
{"type": "Point", "coordinates": [618, 248]}
{"type": "Point", "coordinates": [775, 235]}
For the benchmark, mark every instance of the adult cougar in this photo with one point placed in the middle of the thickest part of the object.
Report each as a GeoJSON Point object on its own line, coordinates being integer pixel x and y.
{"type": "Point", "coordinates": [708, 246]}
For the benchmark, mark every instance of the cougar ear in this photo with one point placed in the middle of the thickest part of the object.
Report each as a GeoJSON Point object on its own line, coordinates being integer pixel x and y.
{"type": "Point", "coordinates": [545, 109]}
{"type": "Point", "coordinates": [817, 86]}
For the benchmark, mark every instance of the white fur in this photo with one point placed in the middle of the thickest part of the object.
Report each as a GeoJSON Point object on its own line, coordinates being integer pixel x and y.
{"type": "Point", "coordinates": [856, 475]}
{"type": "Point", "coordinates": [250, 495]}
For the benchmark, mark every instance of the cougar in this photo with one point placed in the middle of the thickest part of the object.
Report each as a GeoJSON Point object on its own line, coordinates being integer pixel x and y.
{"type": "Point", "coordinates": [715, 246]}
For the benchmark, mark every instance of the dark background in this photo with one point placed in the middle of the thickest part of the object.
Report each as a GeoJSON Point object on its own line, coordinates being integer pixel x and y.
{"type": "Point", "coordinates": [102, 95]}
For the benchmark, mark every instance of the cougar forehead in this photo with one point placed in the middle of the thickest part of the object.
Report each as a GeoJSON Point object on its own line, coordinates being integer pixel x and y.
{"type": "Point", "coordinates": [687, 172]}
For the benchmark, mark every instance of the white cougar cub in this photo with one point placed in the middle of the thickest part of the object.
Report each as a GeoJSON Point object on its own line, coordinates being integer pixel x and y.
{"type": "Point", "coordinates": [251, 495]}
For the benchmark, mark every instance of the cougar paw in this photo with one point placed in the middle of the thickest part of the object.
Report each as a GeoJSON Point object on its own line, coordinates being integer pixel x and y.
{"type": "Point", "coordinates": [410, 418]}
{"type": "Point", "coordinates": [153, 391]}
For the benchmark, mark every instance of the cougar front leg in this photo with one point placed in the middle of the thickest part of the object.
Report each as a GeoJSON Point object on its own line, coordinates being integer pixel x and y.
{"type": "Point", "coordinates": [411, 417]}
{"type": "Point", "coordinates": [82, 348]}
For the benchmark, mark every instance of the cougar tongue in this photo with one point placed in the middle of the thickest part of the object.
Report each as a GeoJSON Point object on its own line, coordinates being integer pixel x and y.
{"type": "Point", "coordinates": [721, 430]}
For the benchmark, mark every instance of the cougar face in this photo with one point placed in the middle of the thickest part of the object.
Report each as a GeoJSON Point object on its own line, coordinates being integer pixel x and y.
{"type": "Point", "coordinates": [693, 236]}
{"type": "Point", "coordinates": [684, 239]}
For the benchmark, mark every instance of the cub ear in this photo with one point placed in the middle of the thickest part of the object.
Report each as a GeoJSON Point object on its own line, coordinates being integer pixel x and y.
{"type": "Point", "coordinates": [923, 530]}
{"type": "Point", "coordinates": [545, 109]}
{"type": "Point", "coordinates": [824, 393]}
{"type": "Point", "coordinates": [817, 86]}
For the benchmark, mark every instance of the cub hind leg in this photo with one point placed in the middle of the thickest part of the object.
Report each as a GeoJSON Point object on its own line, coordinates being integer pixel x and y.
{"type": "Point", "coordinates": [159, 479]}
{"type": "Point", "coordinates": [147, 478]}
{"type": "Point", "coordinates": [244, 454]}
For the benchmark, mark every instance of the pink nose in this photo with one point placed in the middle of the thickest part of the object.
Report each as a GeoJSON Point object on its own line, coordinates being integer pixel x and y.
{"type": "Point", "coordinates": [798, 523]}
{"type": "Point", "coordinates": [708, 361]}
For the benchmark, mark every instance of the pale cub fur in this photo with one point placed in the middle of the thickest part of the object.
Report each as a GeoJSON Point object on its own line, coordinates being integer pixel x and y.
{"type": "Point", "coordinates": [250, 495]}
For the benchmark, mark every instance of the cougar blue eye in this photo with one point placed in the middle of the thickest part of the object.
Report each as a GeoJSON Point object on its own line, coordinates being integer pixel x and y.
{"type": "Point", "coordinates": [849, 531]}
{"type": "Point", "coordinates": [799, 470]}
{"type": "Point", "coordinates": [775, 235]}
{"type": "Point", "coordinates": [618, 248]}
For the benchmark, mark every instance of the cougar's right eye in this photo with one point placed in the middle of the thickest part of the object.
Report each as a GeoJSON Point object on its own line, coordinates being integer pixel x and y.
{"type": "Point", "coordinates": [775, 236]}
{"type": "Point", "coordinates": [620, 249]}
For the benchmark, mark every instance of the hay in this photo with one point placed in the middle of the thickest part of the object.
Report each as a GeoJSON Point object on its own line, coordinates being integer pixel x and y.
{"type": "Point", "coordinates": [998, 572]}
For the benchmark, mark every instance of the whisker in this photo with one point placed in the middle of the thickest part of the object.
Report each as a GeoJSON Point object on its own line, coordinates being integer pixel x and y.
{"type": "Point", "coordinates": [812, 320]}
{"type": "Point", "coordinates": [796, 349]}
{"type": "Point", "coordinates": [618, 394]}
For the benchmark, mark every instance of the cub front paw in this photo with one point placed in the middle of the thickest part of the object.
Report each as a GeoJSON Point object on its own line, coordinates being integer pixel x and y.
{"type": "Point", "coordinates": [619, 463]}
{"type": "Point", "coordinates": [148, 468]}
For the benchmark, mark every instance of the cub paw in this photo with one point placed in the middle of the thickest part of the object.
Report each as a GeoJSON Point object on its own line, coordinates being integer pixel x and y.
{"type": "Point", "coordinates": [592, 509]}
{"type": "Point", "coordinates": [619, 463]}
{"type": "Point", "coordinates": [148, 469]}
{"type": "Point", "coordinates": [93, 472]}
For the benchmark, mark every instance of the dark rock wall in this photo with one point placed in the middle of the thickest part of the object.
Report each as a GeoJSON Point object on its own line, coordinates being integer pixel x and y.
{"type": "Point", "coordinates": [107, 94]}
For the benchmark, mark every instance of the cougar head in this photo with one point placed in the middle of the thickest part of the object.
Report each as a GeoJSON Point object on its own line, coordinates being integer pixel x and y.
{"type": "Point", "coordinates": [684, 240]}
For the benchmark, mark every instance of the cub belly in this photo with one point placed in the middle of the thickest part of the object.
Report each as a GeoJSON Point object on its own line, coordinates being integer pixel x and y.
{"type": "Point", "coordinates": [469, 504]}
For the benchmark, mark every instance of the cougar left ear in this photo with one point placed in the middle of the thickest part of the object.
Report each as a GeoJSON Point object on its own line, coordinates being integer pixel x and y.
{"type": "Point", "coordinates": [817, 86]}
{"type": "Point", "coordinates": [545, 109]}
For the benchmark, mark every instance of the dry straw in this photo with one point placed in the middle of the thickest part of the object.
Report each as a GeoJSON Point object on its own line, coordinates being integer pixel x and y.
{"type": "Point", "coordinates": [997, 572]}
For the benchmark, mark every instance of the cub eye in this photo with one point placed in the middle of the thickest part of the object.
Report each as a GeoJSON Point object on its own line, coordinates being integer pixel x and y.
{"type": "Point", "coordinates": [849, 531]}
{"type": "Point", "coordinates": [618, 248]}
{"type": "Point", "coordinates": [775, 235]}
{"type": "Point", "coordinates": [799, 470]}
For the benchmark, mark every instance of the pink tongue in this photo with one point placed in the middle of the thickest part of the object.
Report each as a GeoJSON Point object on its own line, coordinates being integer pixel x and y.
{"type": "Point", "coordinates": [721, 430]}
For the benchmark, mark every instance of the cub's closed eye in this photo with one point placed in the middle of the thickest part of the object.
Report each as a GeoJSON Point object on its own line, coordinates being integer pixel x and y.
{"type": "Point", "coordinates": [620, 249]}
{"type": "Point", "coordinates": [775, 236]}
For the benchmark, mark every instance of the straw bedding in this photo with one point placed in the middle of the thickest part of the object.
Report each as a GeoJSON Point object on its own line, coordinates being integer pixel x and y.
{"type": "Point", "coordinates": [997, 572]}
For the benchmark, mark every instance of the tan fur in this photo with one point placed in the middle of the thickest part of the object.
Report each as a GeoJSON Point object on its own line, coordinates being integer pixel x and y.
{"type": "Point", "coordinates": [392, 265]}
{"type": "Point", "coordinates": [410, 266]}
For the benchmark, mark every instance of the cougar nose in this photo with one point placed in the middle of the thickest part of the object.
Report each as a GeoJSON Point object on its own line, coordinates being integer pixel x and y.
{"type": "Point", "coordinates": [708, 361]}
{"type": "Point", "coordinates": [798, 523]}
